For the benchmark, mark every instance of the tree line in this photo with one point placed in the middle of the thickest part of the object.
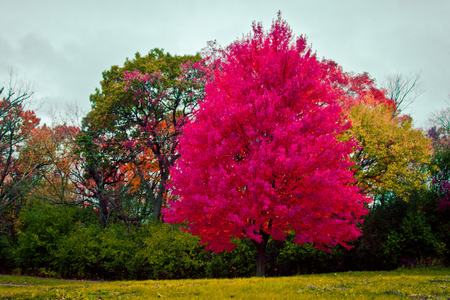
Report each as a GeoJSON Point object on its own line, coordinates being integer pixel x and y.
{"type": "Point", "coordinates": [260, 152]}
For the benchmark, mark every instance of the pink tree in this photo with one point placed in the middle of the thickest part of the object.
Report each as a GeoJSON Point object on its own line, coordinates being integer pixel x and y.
{"type": "Point", "coordinates": [261, 157]}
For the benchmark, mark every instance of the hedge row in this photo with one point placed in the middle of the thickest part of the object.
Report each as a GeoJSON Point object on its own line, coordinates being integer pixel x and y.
{"type": "Point", "coordinates": [64, 241]}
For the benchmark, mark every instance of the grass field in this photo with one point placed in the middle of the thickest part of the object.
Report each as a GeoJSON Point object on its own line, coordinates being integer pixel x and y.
{"type": "Point", "coordinates": [421, 283]}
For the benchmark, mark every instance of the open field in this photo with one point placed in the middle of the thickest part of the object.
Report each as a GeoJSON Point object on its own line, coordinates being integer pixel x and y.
{"type": "Point", "coordinates": [420, 283]}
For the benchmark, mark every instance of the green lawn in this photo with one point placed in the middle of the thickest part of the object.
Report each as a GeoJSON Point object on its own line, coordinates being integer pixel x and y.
{"type": "Point", "coordinates": [422, 283]}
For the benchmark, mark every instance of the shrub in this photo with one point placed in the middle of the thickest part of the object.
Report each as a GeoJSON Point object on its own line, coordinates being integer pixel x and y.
{"type": "Point", "coordinates": [41, 226]}
{"type": "Point", "coordinates": [238, 263]}
{"type": "Point", "coordinates": [77, 254]}
{"type": "Point", "coordinates": [6, 254]}
{"type": "Point", "coordinates": [166, 252]}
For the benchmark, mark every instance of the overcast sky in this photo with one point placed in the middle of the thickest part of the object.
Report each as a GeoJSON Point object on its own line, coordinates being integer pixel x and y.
{"type": "Point", "coordinates": [63, 47]}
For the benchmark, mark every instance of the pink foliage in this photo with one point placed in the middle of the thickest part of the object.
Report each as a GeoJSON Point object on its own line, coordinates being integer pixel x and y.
{"type": "Point", "coordinates": [355, 89]}
{"type": "Point", "coordinates": [261, 153]}
{"type": "Point", "coordinates": [141, 85]}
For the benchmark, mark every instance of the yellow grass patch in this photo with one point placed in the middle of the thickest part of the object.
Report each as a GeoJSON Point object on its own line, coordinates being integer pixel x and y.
{"type": "Point", "coordinates": [420, 283]}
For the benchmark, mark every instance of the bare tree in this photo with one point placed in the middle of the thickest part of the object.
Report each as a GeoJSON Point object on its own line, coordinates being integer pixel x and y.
{"type": "Point", "coordinates": [17, 85]}
{"type": "Point", "coordinates": [68, 114]}
{"type": "Point", "coordinates": [403, 89]}
{"type": "Point", "coordinates": [440, 119]}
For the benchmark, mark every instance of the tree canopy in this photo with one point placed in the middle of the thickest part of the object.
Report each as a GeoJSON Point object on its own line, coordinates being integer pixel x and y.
{"type": "Point", "coordinates": [392, 155]}
{"type": "Point", "coordinates": [261, 156]}
{"type": "Point", "coordinates": [142, 106]}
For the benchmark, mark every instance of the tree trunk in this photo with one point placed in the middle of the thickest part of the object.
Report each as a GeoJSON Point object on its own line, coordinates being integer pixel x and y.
{"type": "Point", "coordinates": [103, 208]}
{"type": "Point", "coordinates": [159, 200]}
{"type": "Point", "coordinates": [261, 255]}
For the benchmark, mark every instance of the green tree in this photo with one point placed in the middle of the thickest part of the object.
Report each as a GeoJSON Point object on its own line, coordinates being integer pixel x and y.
{"type": "Point", "coordinates": [144, 104]}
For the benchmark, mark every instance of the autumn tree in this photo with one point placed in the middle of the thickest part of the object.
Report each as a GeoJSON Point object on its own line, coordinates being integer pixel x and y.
{"type": "Point", "coordinates": [97, 177]}
{"type": "Point", "coordinates": [261, 157]}
{"type": "Point", "coordinates": [392, 155]}
{"type": "Point", "coordinates": [54, 147]}
{"type": "Point", "coordinates": [144, 104]}
{"type": "Point", "coordinates": [16, 123]}
{"type": "Point", "coordinates": [114, 174]}
{"type": "Point", "coordinates": [141, 176]}
{"type": "Point", "coordinates": [438, 132]}
{"type": "Point", "coordinates": [353, 88]}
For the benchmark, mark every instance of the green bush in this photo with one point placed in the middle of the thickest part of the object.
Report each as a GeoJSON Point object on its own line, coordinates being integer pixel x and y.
{"type": "Point", "coordinates": [149, 252]}
{"type": "Point", "coordinates": [289, 258]}
{"type": "Point", "coordinates": [241, 262]}
{"type": "Point", "coordinates": [118, 248]}
{"type": "Point", "coordinates": [77, 254]}
{"type": "Point", "coordinates": [165, 252]}
{"type": "Point", "coordinates": [6, 254]}
{"type": "Point", "coordinates": [41, 227]}
{"type": "Point", "coordinates": [385, 216]}
{"type": "Point", "coordinates": [67, 241]}
{"type": "Point", "coordinates": [414, 238]}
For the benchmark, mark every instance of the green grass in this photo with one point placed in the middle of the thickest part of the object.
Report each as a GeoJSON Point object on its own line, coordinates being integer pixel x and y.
{"type": "Point", "coordinates": [421, 283]}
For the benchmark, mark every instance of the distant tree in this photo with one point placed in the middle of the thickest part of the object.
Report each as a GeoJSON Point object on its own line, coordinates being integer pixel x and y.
{"type": "Point", "coordinates": [440, 121]}
{"type": "Point", "coordinates": [403, 89]}
{"type": "Point", "coordinates": [54, 147]}
{"type": "Point", "coordinates": [261, 156]}
{"type": "Point", "coordinates": [69, 114]}
{"type": "Point", "coordinates": [439, 133]}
